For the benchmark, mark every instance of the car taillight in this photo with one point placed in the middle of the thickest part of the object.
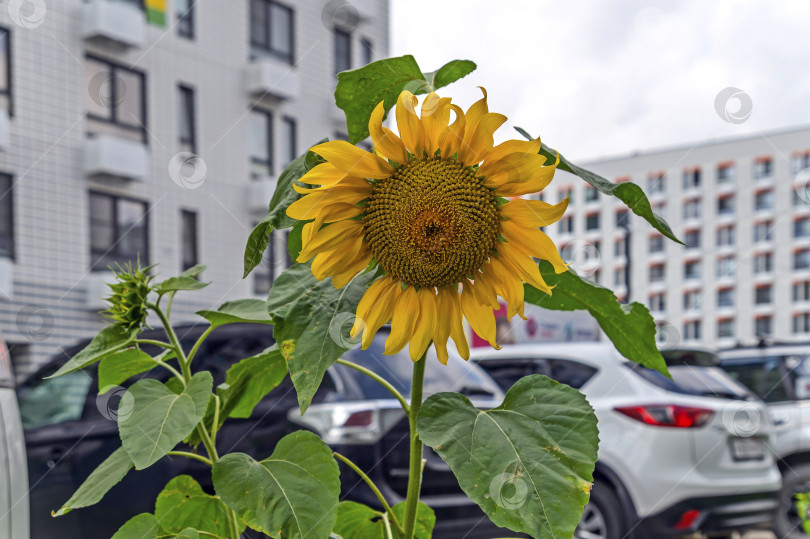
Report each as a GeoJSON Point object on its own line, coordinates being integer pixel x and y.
{"type": "Point", "coordinates": [348, 422]}
{"type": "Point", "coordinates": [668, 415]}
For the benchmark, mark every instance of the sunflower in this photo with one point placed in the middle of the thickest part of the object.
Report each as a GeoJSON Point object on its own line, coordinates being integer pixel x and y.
{"type": "Point", "coordinates": [437, 208]}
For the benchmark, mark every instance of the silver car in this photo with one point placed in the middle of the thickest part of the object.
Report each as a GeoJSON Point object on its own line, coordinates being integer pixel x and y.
{"type": "Point", "coordinates": [13, 469]}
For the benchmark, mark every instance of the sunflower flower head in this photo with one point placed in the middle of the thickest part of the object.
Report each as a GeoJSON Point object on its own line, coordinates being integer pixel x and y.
{"type": "Point", "coordinates": [437, 207]}
{"type": "Point", "coordinates": [128, 300]}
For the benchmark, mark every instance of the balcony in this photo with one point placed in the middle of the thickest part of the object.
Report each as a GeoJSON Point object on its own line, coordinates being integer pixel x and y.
{"type": "Point", "coordinates": [366, 8]}
{"type": "Point", "coordinates": [5, 130]}
{"type": "Point", "coordinates": [114, 23]}
{"type": "Point", "coordinates": [108, 155]}
{"type": "Point", "coordinates": [269, 76]}
{"type": "Point", "coordinates": [259, 192]}
{"type": "Point", "coordinates": [6, 278]}
{"type": "Point", "coordinates": [97, 289]}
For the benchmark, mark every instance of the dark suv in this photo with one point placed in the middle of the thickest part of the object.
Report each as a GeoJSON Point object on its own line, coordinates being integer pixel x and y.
{"type": "Point", "coordinates": [69, 431]}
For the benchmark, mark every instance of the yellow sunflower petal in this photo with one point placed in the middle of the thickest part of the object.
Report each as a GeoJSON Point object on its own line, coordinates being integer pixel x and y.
{"type": "Point", "coordinates": [353, 160]}
{"type": "Point", "coordinates": [480, 141]}
{"type": "Point", "coordinates": [541, 177]}
{"type": "Point", "coordinates": [403, 321]}
{"type": "Point", "coordinates": [380, 312]}
{"type": "Point", "coordinates": [522, 265]}
{"type": "Point", "coordinates": [533, 213]}
{"type": "Point", "coordinates": [425, 324]}
{"type": "Point", "coordinates": [451, 138]}
{"type": "Point", "coordinates": [533, 242]}
{"type": "Point", "coordinates": [332, 262]}
{"type": "Point", "coordinates": [410, 126]}
{"type": "Point", "coordinates": [369, 299]}
{"type": "Point", "coordinates": [314, 204]}
{"type": "Point", "coordinates": [435, 118]}
{"type": "Point", "coordinates": [346, 183]}
{"type": "Point", "coordinates": [510, 147]}
{"type": "Point", "coordinates": [384, 140]}
{"type": "Point", "coordinates": [485, 292]}
{"type": "Point", "coordinates": [457, 332]}
{"type": "Point", "coordinates": [331, 237]}
{"type": "Point", "coordinates": [477, 111]}
{"type": "Point", "coordinates": [325, 174]}
{"type": "Point", "coordinates": [519, 167]}
{"type": "Point", "coordinates": [480, 317]}
{"type": "Point", "coordinates": [508, 285]}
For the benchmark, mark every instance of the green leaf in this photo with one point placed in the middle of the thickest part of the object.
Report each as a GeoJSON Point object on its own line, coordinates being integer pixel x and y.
{"type": "Point", "coordinates": [293, 494]}
{"type": "Point", "coordinates": [359, 91]}
{"type": "Point", "coordinates": [249, 381]}
{"type": "Point", "coordinates": [628, 192]}
{"type": "Point", "coordinates": [189, 533]}
{"type": "Point", "coordinates": [631, 328]}
{"type": "Point", "coordinates": [183, 504]}
{"type": "Point", "coordinates": [159, 419]}
{"type": "Point", "coordinates": [312, 320]}
{"type": "Point", "coordinates": [276, 217]}
{"type": "Point", "coordinates": [425, 519]}
{"type": "Point", "coordinates": [527, 463]}
{"type": "Point", "coordinates": [108, 341]}
{"type": "Point", "coordinates": [181, 282]}
{"type": "Point", "coordinates": [358, 521]}
{"type": "Point", "coordinates": [235, 312]}
{"type": "Point", "coordinates": [121, 366]}
{"type": "Point", "coordinates": [108, 474]}
{"type": "Point", "coordinates": [294, 240]}
{"type": "Point", "coordinates": [143, 526]}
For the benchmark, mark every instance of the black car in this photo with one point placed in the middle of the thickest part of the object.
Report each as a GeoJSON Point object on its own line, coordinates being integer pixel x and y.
{"type": "Point", "coordinates": [69, 430]}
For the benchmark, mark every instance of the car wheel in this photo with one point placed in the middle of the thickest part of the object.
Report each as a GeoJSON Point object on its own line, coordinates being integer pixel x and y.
{"type": "Point", "coordinates": [788, 524]}
{"type": "Point", "coordinates": [601, 518]}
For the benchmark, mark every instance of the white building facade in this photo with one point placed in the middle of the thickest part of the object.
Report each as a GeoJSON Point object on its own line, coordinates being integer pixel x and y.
{"type": "Point", "coordinates": [126, 137]}
{"type": "Point", "coordinates": [742, 207]}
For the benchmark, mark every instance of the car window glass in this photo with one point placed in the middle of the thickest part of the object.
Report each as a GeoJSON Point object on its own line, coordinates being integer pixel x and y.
{"type": "Point", "coordinates": [53, 400]}
{"type": "Point", "coordinates": [764, 376]}
{"type": "Point", "coordinates": [573, 373]}
{"type": "Point", "coordinates": [508, 372]}
{"type": "Point", "coordinates": [691, 380]}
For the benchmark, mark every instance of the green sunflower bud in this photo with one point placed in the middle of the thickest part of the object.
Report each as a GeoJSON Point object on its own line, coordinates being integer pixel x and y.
{"type": "Point", "coordinates": [129, 297]}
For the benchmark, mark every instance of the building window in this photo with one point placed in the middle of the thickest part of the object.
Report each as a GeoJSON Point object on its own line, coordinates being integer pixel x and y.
{"type": "Point", "coordinates": [691, 209]}
{"type": "Point", "coordinates": [763, 295]}
{"type": "Point", "coordinates": [6, 216]}
{"type": "Point", "coordinates": [691, 270]}
{"type": "Point", "coordinates": [763, 263]}
{"type": "Point", "coordinates": [801, 259]}
{"type": "Point", "coordinates": [691, 178]}
{"type": "Point", "coordinates": [801, 291]}
{"type": "Point", "coordinates": [725, 205]}
{"type": "Point", "coordinates": [566, 225]}
{"type": "Point", "coordinates": [592, 221]}
{"type": "Point", "coordinates": [725, 235]}
{"type": "Point", "coordinates": [726, 173]}
{"type": "Point", "coordinates": [261, 143]}
{"type": "Point", "coordinates": [566, 192]}
{"type": "Point", "coordinates": [619, 248]}
{"type": "Point", "coordinates": [692, 300]}
{"type": "Point", "coordinates": [591, 194]}
{"type": "Point", "coordinates": [658, 273]}
{"type": "Point", "coordinates": [657, 303]}
{"type": "Point", "coordinates": [692, 239]}
{"type": "Point", "coordinates": [118, 231]}
{"type": "Point", "coordinates": [799, 161]}
{"type": "Point", "coordinates": [656, 244]}
{"type": "Point", "coordinates": [763, 231]}
{"type": "Point", "coordinates": [5, 69]}
{"type": "Point", "coordinates": [801, 323]}
{"type": "Point", "coordinates": [801, 227]}
{"type": "Point", "coordinates": [692, 330]}
{"type": "Point", "coordinates": [725, 329]}
{"type": "Point", "coordinates": [264, 273]}
{"type": "Point", "coordinates": [343, 50]}
{"type": "Point", "coordinates": [763, 200]}
{"type": "Point", "coordinates": [619, 277]}
{"type": "Point", "coordinates": [289, 140]}
{"type": "Point", "coordinates": [763, 325]}
{"type": "Point", "coordinates": [725, 297]}
{"type": "Point", "coordinates": [763, 168]}
{"type": "Point", "coordinates": [726, 266]}
{"type": "Point", "coordinates": [622, 219]}
{"type": "Point", "coordinates": [657, 182]}
{"type": "Point", "coordinates": [187, 119]}
{"type": "Point", "coordinates": [660, 209]}
{"type": "Point", "coordinates": [366, 51]}
{"type": "Point", "coordinates": [184, 11]}
{"type": "Point", "coordinates": [189, 240]}
{"type": "Point", "coordinates": [272, 29]}
{"type": "Point", "coordinates": [116, 99]}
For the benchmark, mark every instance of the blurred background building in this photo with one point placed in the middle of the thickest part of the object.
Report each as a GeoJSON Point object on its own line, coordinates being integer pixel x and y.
{"type": "Point", "coordinates": [742, 207]}
{"type": "Point", "coordinates": [155, 130]}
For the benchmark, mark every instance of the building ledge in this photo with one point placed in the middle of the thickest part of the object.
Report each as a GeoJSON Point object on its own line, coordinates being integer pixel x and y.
{"type": "Point", "coordinates": [108, 155]}
{"type": "Point", "coordinates": [109, 22]}
{"type": "Point", "coordinates": [269, 76]}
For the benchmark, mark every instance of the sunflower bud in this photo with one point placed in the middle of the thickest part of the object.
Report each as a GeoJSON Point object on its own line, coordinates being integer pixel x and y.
{"type": "Point", "coordinates": [128, 299]}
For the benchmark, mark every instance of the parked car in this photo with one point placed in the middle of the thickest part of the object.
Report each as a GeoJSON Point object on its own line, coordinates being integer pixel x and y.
{"type": "Point", "coordinates": [674, 455]}
{"type": "Point", "coordinates": [780, 375]}
{"type": "Point", "coordinates": [13, 476]}
{"type": "Point", "coordinates": [70, 431]}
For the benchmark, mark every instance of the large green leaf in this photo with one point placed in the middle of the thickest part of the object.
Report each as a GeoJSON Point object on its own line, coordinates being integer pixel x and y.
{"type": "Point", "coordinates": [121, 366]}
{"type": "Point", "coordinates": [108, 474]}
{"type": "Point", "coordinates": [250, 380]}
{"type": "Point", "coordinates": [108, 341]}
{"type": "Point", "coordinates": [628, 192]}
{"type": "Point", "coordinates": [360, 90]}
{"type": "Point", "coordinates": [160, 419]}
{"type": "Point", "coordinates": [292, 494]}
{"type": "Point", "coordinates": [143, 526]}
{"type": "Point", "coordinates": [631, 328]}
{"type": "Point", "coordinates": [276, 217]}
{"type": "Point", "coordinates": [311, 323]}
{"type": "Point", "coordinates": [425, 519]}
{"type": "Point", "coordinates": [358, 521]}
{"type": "Point", "coordinates": [188, 533]}
{"type": "Point", "coordinates": [527, 463]}
{"type": "Point", "coordinates": [239, 311]}
{"type": "Point", "coordinates": [185, 281]}
{"type": "Point", "coordinates": [183, 504]}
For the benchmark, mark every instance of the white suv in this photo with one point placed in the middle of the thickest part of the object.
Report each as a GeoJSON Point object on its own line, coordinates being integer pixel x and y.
{"type": "Point", "coordinates": [676, 456]}
{"type": "Point", "coordinates": [13, 469]}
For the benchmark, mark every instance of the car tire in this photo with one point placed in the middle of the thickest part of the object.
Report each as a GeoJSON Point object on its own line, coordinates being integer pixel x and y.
{"type": "Point", "coordinates": [602, 517]}
{"type": "Point", "coordinates": [787, 524]}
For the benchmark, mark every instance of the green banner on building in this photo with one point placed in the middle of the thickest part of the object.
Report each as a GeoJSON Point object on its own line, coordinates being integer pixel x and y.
{"type": "Point", "coordinates": [156, 12]}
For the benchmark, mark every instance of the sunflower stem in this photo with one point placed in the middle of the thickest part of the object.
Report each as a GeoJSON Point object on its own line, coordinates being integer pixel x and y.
{"type": "Point", "coordinates": [415, 468]}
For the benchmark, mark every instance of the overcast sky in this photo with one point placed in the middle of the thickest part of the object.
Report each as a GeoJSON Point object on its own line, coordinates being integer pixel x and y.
{"type": "Point", "coordinates": [603, 78]}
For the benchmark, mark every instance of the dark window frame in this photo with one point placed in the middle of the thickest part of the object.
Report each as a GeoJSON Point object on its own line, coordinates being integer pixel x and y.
{"type": "Point", "coordinates": [367, 50]}
{"type": "Point", "coordinates": [340, 33]}
{"type": "Point", "coordinates": [117, 234]}
{"type": "Point", "coordinates": [270, 162]}
{"type": "Point", "coordinates": [185, 21]}
{"type": "Point", "coordinates": [266, 44]}
{"type": "Point", "coordinates": [186, 91]}
{"type": "Point", "coordinates": [184, 265]}
{"type": "Point", "coordinates": [113, 67]}
{"type": "Point", "coordinates": [7, 197]}
{"type": "Point", "coordinates": [292, 124]}
{"type": "Point", "coordinates": [8, 92]}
